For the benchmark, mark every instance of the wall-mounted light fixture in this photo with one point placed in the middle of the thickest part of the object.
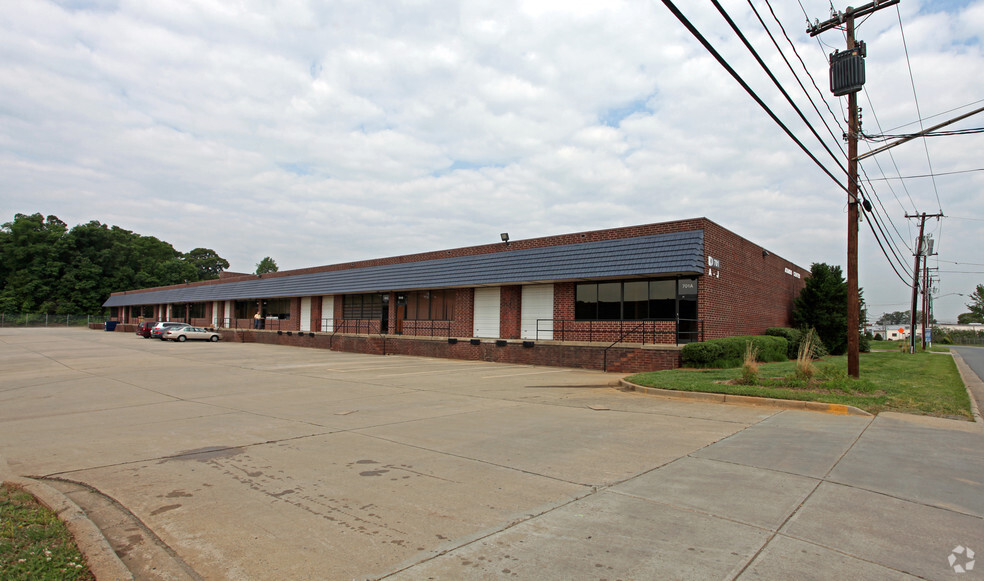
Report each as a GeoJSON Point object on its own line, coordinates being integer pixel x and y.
{"type": "Point", "coordinates": [505, 237]}
{"type": "Point", "coordinates": [765, 253]}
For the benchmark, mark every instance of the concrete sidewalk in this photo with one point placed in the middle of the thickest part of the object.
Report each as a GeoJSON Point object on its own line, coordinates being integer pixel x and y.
{"type": "Point", "coordinates": [241, 461]}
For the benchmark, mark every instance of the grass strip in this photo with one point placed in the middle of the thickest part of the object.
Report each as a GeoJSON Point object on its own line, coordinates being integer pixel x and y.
{"type": "Point", "coordinates": [921, 383]}
{"type": "Point", "coordinates": [34, 543]}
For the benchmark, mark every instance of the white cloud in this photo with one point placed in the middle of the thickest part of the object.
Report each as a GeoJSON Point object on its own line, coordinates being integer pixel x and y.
{"type": "Point", "coordinates": [318, 133]}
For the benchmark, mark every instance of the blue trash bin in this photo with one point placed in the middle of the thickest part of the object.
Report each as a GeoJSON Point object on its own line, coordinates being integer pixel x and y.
{"type": "Point", "coordinates": [111, 325]}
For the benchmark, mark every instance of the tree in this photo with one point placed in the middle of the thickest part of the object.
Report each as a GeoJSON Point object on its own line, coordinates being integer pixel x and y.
{"type": "Point", "coordinates": [207, 262]}
{"type": "Point", "coordinates": [33, 255]}
{"type": "Point", "coordinates": [266, 265]}
{"type": "Point", "coordinates": [822, 305]}
{"type": "Point", "coordinates": [45, 267]}
{"type": "Point", "coordinates": [902, 318]}
{"type": "Point", "coordinates": [976, 304]}
{"type": "Point", "coordinates": [968, 318]}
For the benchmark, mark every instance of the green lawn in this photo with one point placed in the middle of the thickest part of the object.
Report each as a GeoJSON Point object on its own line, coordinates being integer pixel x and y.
{"type": "Point", "coordinates": [34, 544]}
{"type": "Point", "coordinates": [922, 383]}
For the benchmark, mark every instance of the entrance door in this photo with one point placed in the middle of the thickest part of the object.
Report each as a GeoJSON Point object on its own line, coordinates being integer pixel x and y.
{"type": "Point", "coordinates": [305, 314]}
{"type": "Point", "coordinates": [385, 315]}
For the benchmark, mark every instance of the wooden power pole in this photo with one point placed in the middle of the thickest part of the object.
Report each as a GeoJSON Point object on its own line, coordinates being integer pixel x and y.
{"type": "Point", "coordinates": [854, 81]}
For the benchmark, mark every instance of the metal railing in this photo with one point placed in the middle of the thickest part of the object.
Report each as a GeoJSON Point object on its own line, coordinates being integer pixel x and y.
{"type": "Point", "coordinates": [647, 331]}
{"type": "Point", "coordinates": [420, 325]}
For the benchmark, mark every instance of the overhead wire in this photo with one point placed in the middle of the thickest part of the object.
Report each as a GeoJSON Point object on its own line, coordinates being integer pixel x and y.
{"type": "Point", "coordinates": [874, 221]}
{"type": "Point", "coordinates": [915, 97]}
{"type": "Point", "coordinates": [741, 36]}
{"type": "Point", "coordinates": [928, 175]}
{"type": "Point", "coordinates": [869, 192]}
{"type": "Point", "coordinates": [775, 81]}
{"type": "Point", "coordinates": [793, 71]}
{"type": "Point", "coordinates": [717, 56]}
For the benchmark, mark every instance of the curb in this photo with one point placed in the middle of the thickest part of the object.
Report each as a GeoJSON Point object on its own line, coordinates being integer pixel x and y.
{"type": "Point", "coordinates": [971, 383]}
{"type": "Point", "coordinates": [789, 404]}
{"type": "Point", "coordinates": [99, 556]}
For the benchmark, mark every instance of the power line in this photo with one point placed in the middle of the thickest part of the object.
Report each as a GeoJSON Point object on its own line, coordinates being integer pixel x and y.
{"type": "Point", "coordinates": [775, 81]}
{"type": "Point", "coordinates": [928, 175]}
{"type": "Point", "coordinates": [915, 97]}
{"type": "Point", "coordinates": [717, 56]}
{"type": "Point", "coordinates": [795, 76]}
{"type": "Point", "coordinates": [883, 137]}
{"type": "Point", "coordinates": [937, 115]}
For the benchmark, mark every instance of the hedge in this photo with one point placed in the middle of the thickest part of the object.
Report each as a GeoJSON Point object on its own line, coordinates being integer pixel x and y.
{"type": "Point", "coordinates": [730, 351]}
{"type": "Point", "coordinates": [793, 336]}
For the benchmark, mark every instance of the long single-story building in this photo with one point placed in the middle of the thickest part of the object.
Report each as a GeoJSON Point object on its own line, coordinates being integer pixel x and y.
{"type": "Point", "coordinates": [622, 299]}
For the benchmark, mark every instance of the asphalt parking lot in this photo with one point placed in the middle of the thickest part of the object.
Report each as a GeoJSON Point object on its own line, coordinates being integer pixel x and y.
{"type": "Point", "coordinates": [246, 461]}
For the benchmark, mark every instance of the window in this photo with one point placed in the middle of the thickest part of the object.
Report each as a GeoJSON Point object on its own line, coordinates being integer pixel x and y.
{"type": "Point", "coordinates": [244, 309]}
{"type": "Point", "coordinates": [586, 301]}
{"type": "Point", "coordinates": [144, 311]}
{"type": "Point", "coordinates": [636, 300]}
{"type": "Point", "coordinates": [276, 308]}
{"type": "Point", "coordinates": [662, 299]}
{"type": "Point", "coordinates": [434, 305]}
{"type": "Point", "coordinates": [366, 306]}
{"type": "Point", "coordinates": [197, 311]}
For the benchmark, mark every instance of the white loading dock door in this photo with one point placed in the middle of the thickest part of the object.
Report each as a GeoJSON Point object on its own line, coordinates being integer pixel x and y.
{"type": "Point", "coordinates": [305, 313]}
{"type": "Point", "coordinates": [537, 303]}
{"type": "Point", "coordinates": [487, 312]}
{"type": "Point", "coordinates": [216, 315]}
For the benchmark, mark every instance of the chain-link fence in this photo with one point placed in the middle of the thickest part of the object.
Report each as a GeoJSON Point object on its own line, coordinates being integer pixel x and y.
{"type": "Point", "coordinates": [957, 337]}
{"type": "Point", "coordinates": [46, 320]}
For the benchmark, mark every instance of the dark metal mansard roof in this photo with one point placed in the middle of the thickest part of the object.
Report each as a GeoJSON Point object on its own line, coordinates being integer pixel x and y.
{"type": "Point", "coordinates": [660, 254]}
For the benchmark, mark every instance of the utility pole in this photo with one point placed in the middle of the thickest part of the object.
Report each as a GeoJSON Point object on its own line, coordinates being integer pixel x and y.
{"type": "Point", "coordinates": [848, 76]}
{"type": "Point", "coordinates": [920, 252]}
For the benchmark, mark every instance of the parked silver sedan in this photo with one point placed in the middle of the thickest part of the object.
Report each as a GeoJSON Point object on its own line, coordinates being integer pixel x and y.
{"type": "Point", "coordinates": [188, 332]}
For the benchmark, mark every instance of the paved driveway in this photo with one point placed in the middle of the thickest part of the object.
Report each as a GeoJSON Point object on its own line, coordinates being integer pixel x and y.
{"type": "Point", "coordinates": [245, 461]}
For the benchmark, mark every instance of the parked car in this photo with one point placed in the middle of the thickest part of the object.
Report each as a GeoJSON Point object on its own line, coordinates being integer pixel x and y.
{"type": "Point", "coordinates": [157, 331]}
{"type": "Point", "coordinates": [189, 332]}
{"type": "Point", "coordinates": [143, 329]}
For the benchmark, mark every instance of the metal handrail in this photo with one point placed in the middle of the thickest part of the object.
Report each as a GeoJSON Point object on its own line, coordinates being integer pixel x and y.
{"type": "Point", "coordinates": [562, 327]}
{"type": "Point", "coordinates": [604, 363]}
{"type": "Point", "coordinates": [345, 323]}
{"type": "Point", "coordinates": [430, 326]}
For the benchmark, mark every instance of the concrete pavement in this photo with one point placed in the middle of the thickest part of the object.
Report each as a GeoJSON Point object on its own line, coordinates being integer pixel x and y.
{"type": "Point", "coordinates": [244, 461]}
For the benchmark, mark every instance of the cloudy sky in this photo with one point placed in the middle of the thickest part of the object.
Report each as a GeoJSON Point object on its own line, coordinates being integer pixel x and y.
{"type": "Point", "coordinates": [324, 132]}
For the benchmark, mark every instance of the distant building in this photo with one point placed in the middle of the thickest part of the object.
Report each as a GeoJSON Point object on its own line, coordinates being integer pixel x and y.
{"type": "Point", "coordinates": [622, 299]}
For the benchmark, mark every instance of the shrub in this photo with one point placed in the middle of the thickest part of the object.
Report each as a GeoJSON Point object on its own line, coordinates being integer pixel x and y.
{"type": "Point", "coordinates": [804, 358]}
{"type": "Point", "coordinates": [700, 354]}
{"type": "Point", "coordinates": [878, 337]}
{"type": "Point", "coordinates": [730, 351]}
{"type": "Point", "coordinates": [750, 365]}
{"type": "Point", "coordinates": [793, 336]}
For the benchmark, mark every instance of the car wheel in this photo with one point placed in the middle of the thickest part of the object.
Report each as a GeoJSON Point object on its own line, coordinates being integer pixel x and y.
{"type": "Point", "coordinates": [213, 338]}
{"type": "Point", "coordinates": [182, 338]}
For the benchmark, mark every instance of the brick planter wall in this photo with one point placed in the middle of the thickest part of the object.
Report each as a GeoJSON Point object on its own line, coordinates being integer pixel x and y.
{"type": "Point", "coordinates": [550, 354]}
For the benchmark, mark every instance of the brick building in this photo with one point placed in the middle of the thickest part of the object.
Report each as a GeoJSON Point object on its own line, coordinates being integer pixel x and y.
{"type": "Point", "coordinates": [622, 299]}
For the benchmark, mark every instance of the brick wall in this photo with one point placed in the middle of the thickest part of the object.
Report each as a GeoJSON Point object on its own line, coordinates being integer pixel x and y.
{"type": "Point", "coordinates": [750, 292]}
{"type": "Point", "coordinates": [617, 359]}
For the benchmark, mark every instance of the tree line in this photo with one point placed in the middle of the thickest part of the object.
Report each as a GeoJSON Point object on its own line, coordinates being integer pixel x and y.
{"type": "Point", "coordinates": [47, 267]}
